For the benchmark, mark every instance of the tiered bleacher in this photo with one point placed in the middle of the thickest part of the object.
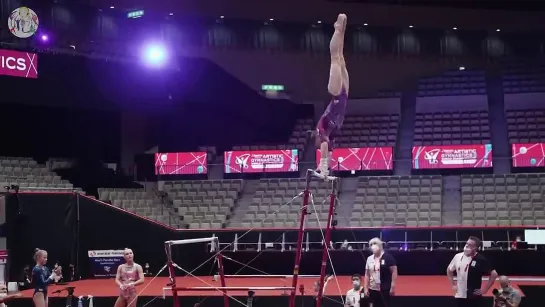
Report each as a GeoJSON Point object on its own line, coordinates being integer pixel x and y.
{"type": "Point", "coordinates": [270, 208]}
{"type": "Point", "coordinates": [453, 83]}
{"type": "Point", "coordinates": [525, 126]}
{"type": "Point", "coordinates": [27, 174]}
{"type": "Point", "coordinates": [452, 128]}
{"type": "Point", "coordinates": [513, 199]}
{"type": "Point", "coordinates": [204, 203]}
{"type": "Point", "coordinates": [368, 131]}
{"type": "Point", "coordinates": [138, 201]}
{"type": "Point", "coordinates": [397, 201]}
{"type": "Point", "coordinates": [524, 79]}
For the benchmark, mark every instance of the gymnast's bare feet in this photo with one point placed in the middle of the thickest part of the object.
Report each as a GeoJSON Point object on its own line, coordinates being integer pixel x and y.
{"type": "Point", "coordinates": [340, 24]}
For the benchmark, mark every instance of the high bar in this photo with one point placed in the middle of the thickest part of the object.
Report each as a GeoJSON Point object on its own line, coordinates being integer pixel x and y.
{"type": "Point", "coordinates": [229, 288]}
{"type": "Point", "coordinates": [318, 175]}
{"type": "Point", "coordinates": [265, 276]}
{"type": "Point", "coordinates": [189, 241]}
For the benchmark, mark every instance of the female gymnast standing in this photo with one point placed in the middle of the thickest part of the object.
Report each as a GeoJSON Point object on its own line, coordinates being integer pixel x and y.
{"type": "Point", "coordinates": [42, 277]}
{"type": "Point", "coordinates": [331, 121]}
{"type": "Point", "coordinates": [129, 275]}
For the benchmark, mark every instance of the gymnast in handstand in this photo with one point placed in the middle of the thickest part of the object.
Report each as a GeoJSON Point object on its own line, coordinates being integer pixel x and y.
{"type": "Point", "coordinates": [333, 117]}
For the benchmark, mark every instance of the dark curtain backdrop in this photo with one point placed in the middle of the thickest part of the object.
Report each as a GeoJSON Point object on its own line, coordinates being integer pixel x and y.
{"type": "Point", "coordinates": [40, 222]}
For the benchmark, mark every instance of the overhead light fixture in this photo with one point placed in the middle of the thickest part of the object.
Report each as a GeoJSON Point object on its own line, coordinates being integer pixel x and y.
{"type": "Point", "coordinates": [171, 14]}
{"type": "Point", "coordinates": [112, 7]}
{"type": "Point", "coordinates": [497, 30]}
{"type": "Point", "coordinates": [410, 26]}
{"type": "Point", "coordinates": [454, 28]}
{"type": "Point", "coordinates": [271, 19]}
{"type": "Point", "coordinates": [222, 16]}
{"type": "Point", "coordinates": [461, 68]}
{"type": "Point", "coordinates": [366, 24]}
{"type": "Point", "coordinates": [319, 21]}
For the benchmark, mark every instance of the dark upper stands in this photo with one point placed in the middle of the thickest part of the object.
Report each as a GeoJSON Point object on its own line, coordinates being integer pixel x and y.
{"type": "Point", "coordinates": [453, 83]}
{"type": "Point", "coordinates": [452, 128]}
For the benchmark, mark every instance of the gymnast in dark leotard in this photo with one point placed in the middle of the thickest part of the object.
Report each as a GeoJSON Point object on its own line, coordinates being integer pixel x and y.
{"type": "Point", "coordinates": [42, 277]}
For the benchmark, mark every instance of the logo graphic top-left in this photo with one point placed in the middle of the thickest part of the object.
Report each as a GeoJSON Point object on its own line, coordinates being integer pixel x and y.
{"type": "Point", "coordinates": [23, 22]}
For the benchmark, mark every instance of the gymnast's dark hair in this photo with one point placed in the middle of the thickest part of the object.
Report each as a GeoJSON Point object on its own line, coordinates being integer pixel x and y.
{"type": "Point", "coordinates": [356, 276]}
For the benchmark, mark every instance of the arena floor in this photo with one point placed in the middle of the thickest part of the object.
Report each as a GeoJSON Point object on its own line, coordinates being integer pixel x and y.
{"type": "Point", "coordinates": [406, 286]}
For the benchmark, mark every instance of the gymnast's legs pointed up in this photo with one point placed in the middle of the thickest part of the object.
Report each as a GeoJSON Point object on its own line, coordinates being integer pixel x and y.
{"type": "Point", "coordinates": [333, 117]}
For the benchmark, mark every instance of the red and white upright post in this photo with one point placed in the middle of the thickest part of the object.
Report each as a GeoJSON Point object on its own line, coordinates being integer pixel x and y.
{"type": "Point", "coordinates": [327, 240]}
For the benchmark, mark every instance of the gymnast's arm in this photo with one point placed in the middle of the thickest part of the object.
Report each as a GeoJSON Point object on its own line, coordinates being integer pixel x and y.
{"type": "Point", "coordinates": [9, 297]}
{"type": "Point", "coordinates": [140, 276]}
{"type": "Point", "coordinates": [118, 277]}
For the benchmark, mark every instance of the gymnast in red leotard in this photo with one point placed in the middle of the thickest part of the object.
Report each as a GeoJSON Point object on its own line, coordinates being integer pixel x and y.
{"type": "Point", "coordinates": [331, 121]}
{"type": "Point", "coordinates": [129, 275]}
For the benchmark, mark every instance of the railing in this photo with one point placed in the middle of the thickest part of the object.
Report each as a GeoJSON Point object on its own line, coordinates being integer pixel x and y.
{"type": "Point", "coordinates": [363, 245]}
{"type": "Point", "coordinates": [423, 239]}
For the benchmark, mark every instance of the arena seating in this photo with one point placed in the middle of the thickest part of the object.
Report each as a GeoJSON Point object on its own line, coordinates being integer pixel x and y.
{"type": "Point", "coordinates": [452, 128]}
{"type": "Point", "coordinates": [514, 199]}
{"type": "Point", "coordinates": [397, 201]}
{"type": "Point", "coordinates": [272, 196]}
{"type": "Point", "coordinates": [369, 131]}
{"type": "Point", "coordinates": [140, 202]}
{"type": "Point", "coordinates": [29, 175]}
{"type": "Point", "coordinates": [59, 163]}
{"type": "Point", "coordinates": [204, 203]}
{"type": "Point", "coordinates": [524, 79]}
{"type": "Point", "coordinates": [298, 138]}
{"type": "Point", "coordinates": [526, 126]}
{"type": "Point", "coordinates": [452, 83]}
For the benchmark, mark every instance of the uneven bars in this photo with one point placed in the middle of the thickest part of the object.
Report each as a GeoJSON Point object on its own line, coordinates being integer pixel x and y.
{"type": "Point", "coordinates": [327, 239]}
{"type": "Point", "coordinates": [265, 276]}
{"type": "Point", "coordinates": [229, 288]}
{"type": "Point", "coordinates": [189, 241]}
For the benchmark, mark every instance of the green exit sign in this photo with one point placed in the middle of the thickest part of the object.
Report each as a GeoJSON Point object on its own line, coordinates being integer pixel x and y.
{"type": "Point", "coordinates": [135, 14]}
{"type": "Point", "coordinates": [272, 87]}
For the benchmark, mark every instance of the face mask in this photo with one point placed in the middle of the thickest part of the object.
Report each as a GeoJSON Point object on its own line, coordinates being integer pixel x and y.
{"type": "Point", "coordinates": [375, 248]}
{"type": "Point", "coordinates": [356, 283]}
{"type": "Point", "coordinates": [506, 289]}
{"type": "Point", "coordinates": [467, 251]}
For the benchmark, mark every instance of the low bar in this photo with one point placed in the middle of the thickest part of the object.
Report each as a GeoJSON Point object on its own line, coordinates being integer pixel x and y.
{"type": "Point", "coordinates": [229, 288]}
{"type": "Point", "coordinates": [266, 276]}
{"type": "Point", "coordinates": [189, 241]}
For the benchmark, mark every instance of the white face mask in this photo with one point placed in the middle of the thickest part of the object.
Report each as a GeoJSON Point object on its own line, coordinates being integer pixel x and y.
{"type": "Point", "coordinates": [467, 251]}
{"type": "Point", "coordinates": [356, 283]}
{"type": "Point", "coordinates": [375, 248]}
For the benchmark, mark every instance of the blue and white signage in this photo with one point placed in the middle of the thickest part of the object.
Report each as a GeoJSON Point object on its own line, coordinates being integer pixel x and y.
{"type": "Point", "coordinates": [104, 263]}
